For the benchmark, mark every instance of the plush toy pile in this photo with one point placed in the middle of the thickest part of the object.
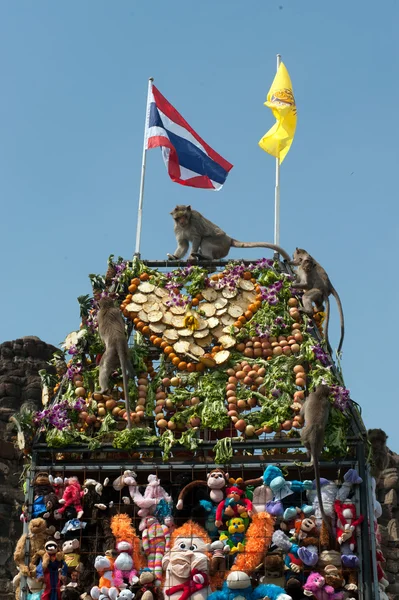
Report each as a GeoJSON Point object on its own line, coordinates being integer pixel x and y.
{"type": "Point", "coordinates": [222, 537]}
{"type": "Point", "coordinates": [227, 357]}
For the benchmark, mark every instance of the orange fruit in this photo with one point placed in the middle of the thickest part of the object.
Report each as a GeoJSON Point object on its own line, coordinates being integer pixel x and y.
{"type": "Point", "coordinates": [136, 320]}
{"type": "Point", "coordinates": [167, 349]}
{"type": "Point", "coordinates": [200, 367]}
{"type": "Point", "coordinates": [157, 341]}
{"type": "Point", "coordinates": [238, 324]}
{"type": "Point", "coordinates": [182, 366]}
{"type": "Point", "coordinates": [163, 345]}
{"type": "Point", "coordinates": [144, 277]}
{"type": "Point", "coordinates": [176, 361]}
{"type": "Point", "coordinates": [132, 288]}
{"type": "Point", "coordinates": [135, 281]}
{"type": "Point", "coordinates": [242, 319]}
{"type": "Point", "coordinates": [194, 302]}
{"type": "Point", "coordinates": [190, 367]}
{"type": "Point", "coordinates": [153, 338]}
{"type": "Point", "coordinates": [247, 275]}
{"type": "Point", "coordinates": [199, 297]}
{"type": "Point", "coordinates": [248, 315]}
{"type": "Point", "coordinates": [145, 330]}
{"type": "Point", "coordinates": [140, 325]}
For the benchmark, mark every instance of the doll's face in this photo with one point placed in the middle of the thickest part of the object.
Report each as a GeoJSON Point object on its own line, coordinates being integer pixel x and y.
{"type": "Point", "coordinates": [188, 553]}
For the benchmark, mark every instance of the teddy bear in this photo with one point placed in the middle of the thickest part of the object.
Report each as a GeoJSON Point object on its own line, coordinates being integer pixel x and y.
{"type": "Point", "coordinates": [234, 537]}
{"type": "Point", "coordinates": [316, 586]}
{"type": "Point", "coordinates": [38, 535]}
{"type": "Point", "coordinates": [104, 565]}
{"type": "Point", "coordinates": [238, 586]}
{"type": "Point", "coordinates": [148, 588]}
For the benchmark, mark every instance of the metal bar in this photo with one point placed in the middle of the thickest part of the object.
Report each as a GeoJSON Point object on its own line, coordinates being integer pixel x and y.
{"type": "Point", "coordinates": [200, 263]}
{"type": "Point", "coordinates": [143, 165]}
{"type": "Point", "coordinates": [371, 519]}
{"type": "Point", "coordinates": [277, 189]}
{"type": "Point", "coordinates": [120, 465]}
{"type": "Point", "coordinates": [23, 589]}
{"type": "Point", "coordinates": [366, 570]}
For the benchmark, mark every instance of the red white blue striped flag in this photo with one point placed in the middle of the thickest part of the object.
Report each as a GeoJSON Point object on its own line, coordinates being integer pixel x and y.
{"type": "Point", "coordinates": [189, 160]}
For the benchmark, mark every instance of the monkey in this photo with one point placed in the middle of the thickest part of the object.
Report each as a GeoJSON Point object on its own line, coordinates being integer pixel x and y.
{"type": "Point", "coordinates": [312, 278]}
{"type": "Point", "coordinates": [379, 452]}
{"type": "Point", "coordinates": [208, 241]}
{"type": "Point", "coordinates": [315, 411]}
{"type": "Point", "coordinates": [111, 328]}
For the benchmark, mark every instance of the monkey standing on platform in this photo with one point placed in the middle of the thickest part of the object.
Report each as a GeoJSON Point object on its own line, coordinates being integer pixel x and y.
{"type": "Point", "coordinates": [316, 410]}
{"type": "Point", "coordinates": [208, 241]}
{"type": "Point", "coordinates": [111, 328]}
{"type": "Point", "coordinates": [312, 278]}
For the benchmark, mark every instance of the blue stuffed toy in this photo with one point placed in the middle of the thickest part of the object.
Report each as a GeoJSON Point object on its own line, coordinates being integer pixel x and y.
{"type": "Point", "coordinates": [287, 495]}
{"type": "Point", "coordinates": [238, 585]}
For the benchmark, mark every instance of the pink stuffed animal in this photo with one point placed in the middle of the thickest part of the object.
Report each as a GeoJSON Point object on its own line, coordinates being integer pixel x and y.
{"type": "Point", "coordinates": [316, 586]}
{"type": "Point", "coordinates": [124, 568]}
{"type": "Point", "coordinates": [72, 496]}
{"type": "Point", "coordinates": [152, 495]}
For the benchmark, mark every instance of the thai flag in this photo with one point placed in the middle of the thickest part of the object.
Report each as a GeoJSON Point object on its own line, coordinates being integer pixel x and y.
{"type": "Point", "coordinates": [189, 160]}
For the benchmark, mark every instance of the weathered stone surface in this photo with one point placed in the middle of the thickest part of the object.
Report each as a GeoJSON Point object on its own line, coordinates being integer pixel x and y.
{"type": "Point", "coordinates": [20, 362]}
{"type": "Point", "coordinates": [393, 588]}
{"type": "Point", "coordinates": [391, 553]}
{"type": "Point", "coordinates": [390, 478]}
{"type": "Point", "coordinates": [393, 530]}
{"type": "Point", "coordinates": [392, 566]}
{"type": "Point", "coordinates": [391, 498]}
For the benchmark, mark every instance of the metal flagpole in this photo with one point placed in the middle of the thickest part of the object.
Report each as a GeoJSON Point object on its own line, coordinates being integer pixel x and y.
{"type": "Point", "coordinates": [277, 190]}
{"type": "Point", "coordinates": [141, 194]}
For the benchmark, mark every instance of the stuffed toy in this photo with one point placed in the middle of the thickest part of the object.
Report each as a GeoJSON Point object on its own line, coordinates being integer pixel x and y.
{"type": "Point", "coordinates": [128, 478]}
{"type": "Point", "coordinates": [293, 564]}
{"type": "Point", "coordinates": [38, 535]}
{"type": "Point", "coordinates": [274, 569]}
{"type": "Point", "coordinates": [333, 576]}
{"type": "Point", "coordinates": [219, 550]}
{"type": "Point", "coordinates": [36, 589]}
{"type": "Point", "coordinates": [287, 495]}
{"type": "Point", "coordinates": [148, 588]}
{"type": "Point", "coordinates": [186, 565]}
{"type": "Point", "coordinates": [294, 589]}
{"type": "Point", "coordinates": [70, 549]}
{"type": "Point", "coordinates": [307, 535]}
{"type": "Point", "coordinates": [234, 537]}
{"type": "Point", "coordinates": [58, 484]}
{"type": "Point", "coordinates": [271, 591]}
{"type": "Point", "coordinates": [258, 539]}
{"type": "Point", "coordinates": [331, 492]}
{"type": "Point", "coordinates": [147, 504]}
{"type": "Point", "coordinates": [72, 497]}
{"type": "Point", "coordinates": [234, 505]}
{"type": "Point", "coordinates": [236, 586]}
{"type": "Point", "coordinates": [71, 528]}
{"type": "Point", "coordinates": [104, 565]}
{"type": "Point", "coordinates": [209, 524]}
{"type": "Point", "coordinates": [346, 522]}
{"type": "Point", "coordinates": [127, 545]}
{"type": "Point", "coordinates": [215, 482]}
{"type": "Point", "coordinates": [44, 496]}
{"type": "Point", "coordinates": [316, 586]}
{"type": "Point", "coordinates": [50, 568]}
{"type": "Point", "coordinates": [156, 541]}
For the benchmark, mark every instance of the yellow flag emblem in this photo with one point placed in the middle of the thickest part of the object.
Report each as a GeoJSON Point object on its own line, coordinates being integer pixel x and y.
{"type": "Point", "coordinates": [277, 141]}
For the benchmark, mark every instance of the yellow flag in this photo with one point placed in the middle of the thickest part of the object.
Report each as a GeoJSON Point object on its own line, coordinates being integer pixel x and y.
{"type": "Point", "coordinates": [277, 141]}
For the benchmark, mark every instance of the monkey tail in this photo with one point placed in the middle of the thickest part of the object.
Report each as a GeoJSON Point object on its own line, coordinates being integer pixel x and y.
{"type": "Point", "coordinates": [341, 317]}
{"type": "Point", "coordinates": [327, 325]}
{"type": "Point", "coordinates": [187, 488]}
{"type": "Point", "coordinates": [284, 254]}
{"type": "Point", "coordinates": [126, 368]}
{"type": "Point", "coordinates": [318, 490]}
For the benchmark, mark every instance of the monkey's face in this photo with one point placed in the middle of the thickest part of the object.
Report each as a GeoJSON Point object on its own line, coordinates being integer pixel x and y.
{"type": "Point", "coordinates": [216, 480]}
{"type": "Point", "coordinates": [182, 215]}
{"type": "Point", "coordinates": [299, 256]}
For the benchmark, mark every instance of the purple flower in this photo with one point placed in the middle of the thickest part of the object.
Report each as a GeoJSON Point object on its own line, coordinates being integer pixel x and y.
{"type": "Point", "coordinates": [272, 300]}
{"type": "Point", "coordinates": [341, 397]}
{"type": "Point", "coordinates": [321, 355]}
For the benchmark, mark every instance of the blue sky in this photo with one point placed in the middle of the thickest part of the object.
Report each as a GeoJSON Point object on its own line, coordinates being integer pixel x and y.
{"type": "Point", "coordinates": [74, 80]}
